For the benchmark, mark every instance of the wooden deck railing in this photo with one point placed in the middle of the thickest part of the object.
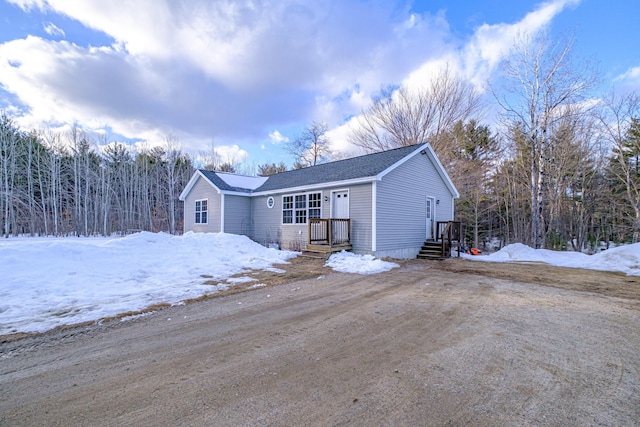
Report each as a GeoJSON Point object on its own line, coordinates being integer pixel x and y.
{"type": "Point", "coordinates": [329, 231]}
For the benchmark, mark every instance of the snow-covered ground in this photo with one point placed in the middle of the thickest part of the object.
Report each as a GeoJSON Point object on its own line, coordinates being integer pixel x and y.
{"type": "Point", "coordinates": [48, 282]}
{"type": "Point", "coordinates": [625, 259]}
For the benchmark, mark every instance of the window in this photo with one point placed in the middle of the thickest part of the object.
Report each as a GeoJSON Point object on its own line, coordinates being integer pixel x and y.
{"type": "Point", "coordinates": [201, 211]}
{"type": "Point", "coordinates": [301, 209]}
{"type": "Point", "coordinates": [287, 209]}
{"type": "Point", "coordinates": [315, 205]}
{"type": "Point", "coordinates": [297, 208]}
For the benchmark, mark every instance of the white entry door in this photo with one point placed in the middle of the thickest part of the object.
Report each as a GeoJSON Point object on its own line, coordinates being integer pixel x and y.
{"type": "Point", "coordinates": [431, 215]}
{"type": "Point", "coordinates": [340, 204]}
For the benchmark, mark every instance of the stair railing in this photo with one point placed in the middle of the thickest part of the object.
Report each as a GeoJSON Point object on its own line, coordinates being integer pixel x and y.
{"type": "Point", "coordinates": [451, 232]}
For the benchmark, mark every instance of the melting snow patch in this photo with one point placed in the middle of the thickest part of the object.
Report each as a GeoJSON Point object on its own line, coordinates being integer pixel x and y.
{"type": "Point", "coordinates": [348, 262]}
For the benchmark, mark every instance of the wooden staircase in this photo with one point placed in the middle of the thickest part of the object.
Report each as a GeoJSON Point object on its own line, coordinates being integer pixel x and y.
{"type": "Point", "coordinates": [447, 233]}
{"type": "Point", "coordinates": [431, 249]}
{"type": "Point", "coordinates": [324, 251]}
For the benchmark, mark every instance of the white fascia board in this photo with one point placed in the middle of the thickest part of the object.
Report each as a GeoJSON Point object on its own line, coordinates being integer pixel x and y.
{"type": "Point", "coordinates": [236, 193]}
{"type": "Point", "coordinates": [194, 178]}
{"type": "Point", "coordinates": [321, 185]}
{"type": "Point", "coordinates": [443, 172]}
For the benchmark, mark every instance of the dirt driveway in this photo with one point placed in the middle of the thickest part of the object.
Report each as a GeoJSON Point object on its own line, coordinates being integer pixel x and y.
{"type": "Point", "coordinates": [429, 343]}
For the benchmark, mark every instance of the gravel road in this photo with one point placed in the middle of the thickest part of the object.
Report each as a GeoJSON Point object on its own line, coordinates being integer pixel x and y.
{"type": "Point", "coordinates": [418, 345]}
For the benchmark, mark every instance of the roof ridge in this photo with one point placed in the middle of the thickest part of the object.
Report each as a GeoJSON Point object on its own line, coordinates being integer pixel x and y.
{"type": "Point", "coordinates": [351, 158]}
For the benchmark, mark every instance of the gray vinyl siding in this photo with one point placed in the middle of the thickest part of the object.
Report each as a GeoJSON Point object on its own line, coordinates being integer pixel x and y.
{"type": "Point", "coordinates": [202, 190]}
{"type": "Point", "coordinates": [237, 215]}
{"type": "Point", "coordinates": [401, 206]}
{"type": "Point", "coordinates": [267, 221]}
{"type": "Point", "coordinates": [268, 226]}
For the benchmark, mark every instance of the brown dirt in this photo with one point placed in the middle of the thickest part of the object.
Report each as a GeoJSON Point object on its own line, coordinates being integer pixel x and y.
{"type": "Point", "coordinates": [429, 343]}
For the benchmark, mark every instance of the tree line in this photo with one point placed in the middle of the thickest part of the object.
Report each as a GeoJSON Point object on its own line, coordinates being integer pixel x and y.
{"type": "Point", "coordinates": [61, 184]}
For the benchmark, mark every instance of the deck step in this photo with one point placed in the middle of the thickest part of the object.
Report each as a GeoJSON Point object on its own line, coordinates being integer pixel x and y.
{"type": "Point", "coordinates": [315, 254]}
{"type": "Point", "coordinates": [324, 251]}
{"type": "Point", "coordinates": [431, 250]}
{"type": "Point", "coordinates": [327, 248]}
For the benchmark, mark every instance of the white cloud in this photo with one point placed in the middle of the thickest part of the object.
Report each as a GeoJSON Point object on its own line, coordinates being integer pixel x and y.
{"type": "Point", "coordinates": [51, 29]}
{"type": "Point", "coordinates": [231, 154]}
{"type": "Point", "coordinates": [224, 69]}
{"type": "Point", "coordinates": [276, 137]}
{"type": "Point", "coordinates": [629, 81]}
{"type": "Point", "coordinates": [229, 69]}
{"type": "Point", "coordinates": [632, 74]}
{"type": "Point", "coordinates": [339, 139]}
{"type": "Point", "coordinates": [491, 43]}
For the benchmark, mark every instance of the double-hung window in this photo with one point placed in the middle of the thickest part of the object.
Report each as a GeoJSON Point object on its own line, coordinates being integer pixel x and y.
{"type": "Point", "coordinates": [201, 211]}
{"type": "Point", "coordinates": [287, 209]}
{"type": "Point", "coordinates": [315, 205]}
{"type": "Point", "coordinates": [298, 207]}
{"type": "Point", "coordinates": [301, 208]}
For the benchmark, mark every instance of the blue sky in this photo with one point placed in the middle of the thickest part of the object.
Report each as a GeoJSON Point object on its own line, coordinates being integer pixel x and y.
{"type": "Point", "coordinates": [247, 75]}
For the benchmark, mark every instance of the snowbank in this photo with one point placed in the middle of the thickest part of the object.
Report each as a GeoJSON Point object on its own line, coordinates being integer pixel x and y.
{"type": "Point", "coordinates": [47, 282]}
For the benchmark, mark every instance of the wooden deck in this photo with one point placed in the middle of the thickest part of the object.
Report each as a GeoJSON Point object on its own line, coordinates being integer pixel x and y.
{"type": "Point", "coordinates": [328, 236]}
{"type": "Point", "coordinates": [329, 248]}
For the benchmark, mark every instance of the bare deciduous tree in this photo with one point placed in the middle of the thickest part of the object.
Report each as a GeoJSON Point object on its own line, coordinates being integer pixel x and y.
{"type": "Point", "coordinates": [542, 86]}
{"type": "Point", "coordinates": [311, 147]}
{"type": "Point", "coordinates": [407, 116]}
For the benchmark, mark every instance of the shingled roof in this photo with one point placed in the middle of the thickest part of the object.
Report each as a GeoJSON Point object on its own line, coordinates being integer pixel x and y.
{"type": "Point", "coordinates": [365, 166]}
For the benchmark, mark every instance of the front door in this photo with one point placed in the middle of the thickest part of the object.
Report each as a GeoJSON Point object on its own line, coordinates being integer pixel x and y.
{"type": "Point", "coordinates": [340, 204]}
{"type": "Point", "coordinates": [431, 206]}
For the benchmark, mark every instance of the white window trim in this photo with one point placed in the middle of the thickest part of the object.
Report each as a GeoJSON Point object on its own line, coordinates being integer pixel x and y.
{"type": "Point", "coordinates": [195, 211]}
{"type": "Point", "coordinates": [293, 209]}
{"type": "Point", "coordinates": [318, 207]}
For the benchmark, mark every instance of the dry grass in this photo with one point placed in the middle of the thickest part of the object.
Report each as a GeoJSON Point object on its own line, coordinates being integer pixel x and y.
{"type": "Point", "coordinates": [612, 284]}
